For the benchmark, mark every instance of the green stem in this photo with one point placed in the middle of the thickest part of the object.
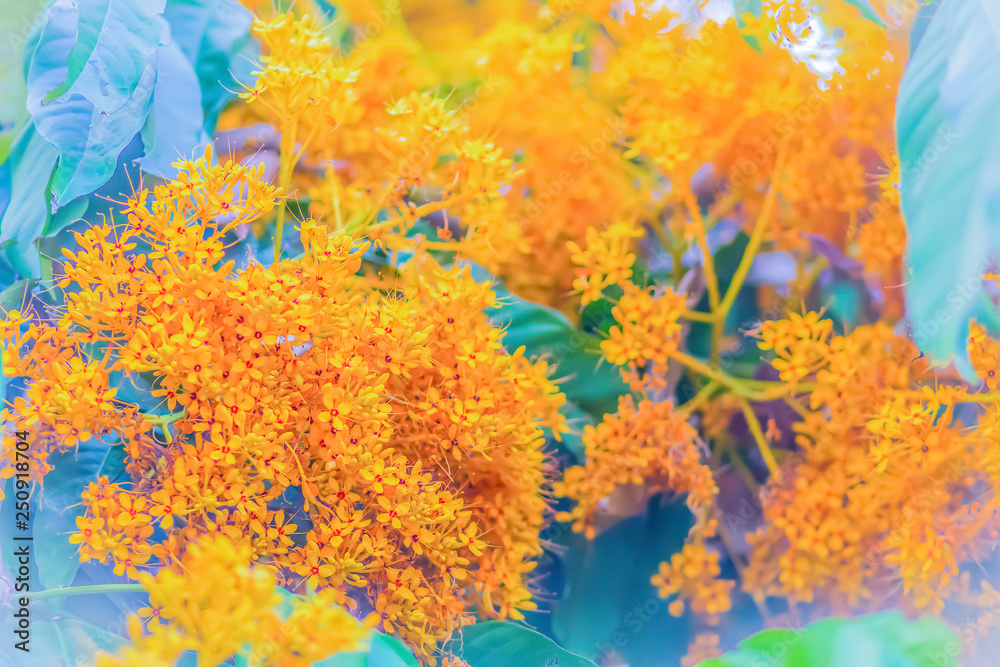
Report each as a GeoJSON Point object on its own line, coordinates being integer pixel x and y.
{"type": "Point", "coordinates": [164, 421]}
{"type": "Point", "coordinates": [704, 394]}
{"type": "Point", "coordinates": [161, 420]}
{"type": "Point", "coordinates": [84, 590]}
{"type": "Point", "coordinates": [711, 278]}
{"type": "Point", "coordinates": [756, 238]}
{"type": "Point", "coordinates": [713, 373]}
{"type": "Point", "coordinates": [288, 132]}
{"type": "Point", "coordinates": [758, 436]}
{"type": "Point", "coordinates": [697, 315]}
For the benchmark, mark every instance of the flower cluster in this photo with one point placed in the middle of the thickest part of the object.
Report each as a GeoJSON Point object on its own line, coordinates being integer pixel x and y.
{"type": "Point", "coordinates": [647, 328]}
{"type": "Point", "coordinates": [646, 444]}
{"type": "Point", "coordinates": [214, 602]}
{"type": "Point", "coordinates": [692, 575]}
{"type": "Point", "coordinates": [348, 423]}
{"type": "Point", "coordinates": [888, 489]}
{"type": "Point", "coordinates": [604, 261]}
{"type": "Point", "coordinates": [413, 440]}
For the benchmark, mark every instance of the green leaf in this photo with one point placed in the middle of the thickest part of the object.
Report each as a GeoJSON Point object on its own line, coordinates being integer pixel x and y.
{"type": "Point", "coordinates": [916, 640]}
{"type": "Point", "coordinates": [597, 317]}
{"type": "Point", "coordinates": [497, 644]}
{"type": "Point", "coordinates": [95, 117]}
{"type": "Point", "coordinates": [948, 135]}
{"type": "Point", "coordinates": [848, 302]}
{"type": "Point", "coordinates": [31, 161]}
{"type": "Point", "coordinates": [868, 11]}
{"type": "Point", "coordinates": [592, 385]}
{"type": "Point", "coordinates": [741, 7]}
{"type": "Point", "coordinates": [765, 639]}
{"type": "Point", "coordinates": [114, 42]}
{"type": "Point", "coordinates": [7, 140]}
{"type": "Point", "coordinates": [872, 640]}
{"type": "Point", "coordinates": [813, 647]}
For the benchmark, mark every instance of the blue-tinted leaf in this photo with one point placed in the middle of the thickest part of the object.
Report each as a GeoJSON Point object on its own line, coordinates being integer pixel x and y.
{"type": "Point", "coordinates": [719, 236]}
{"type": "Point", "coordinates": [916, 640]}
{"type": "Point", "coordinates": [215, 37]}
{"type": "Point", "coordinates": [345, 659]}
{"type": "Point", "coordinates": [329, 9]}
{"type": "Point", "coordinates": [5, 190]}
{"type": "Point", "coordinates": [87, 124]}
{"type": "Point", "coordinates": [497, 644]}
{"type": "Point", "coordinates": [31, 163]}
{"type": "Point", "coordinates": [387, 651]}
{"type": "Point", "coordinates": [847, 301]}
{"type": "Point", "coordinates": [16, 20]}
{"type": "Point", "coordinates": [61, 641]}
{"type": "Point", "coordinates": [609, 605]}
{"type": "Point", "coordinates": [287, 604]}
{"type": "Point", "coordinates": [948, 135]}
{"type": "Point", "coordinates": [66, 216]}
{"type": "Point", "coordinates": [14, 534]}
{"type": "Point", "coordinates": [103, 201]}
{"type": "Point", "coordinates": [113, 44]}
{"type": "Point", "coordinates": [58, 506]}
{"type": "Point", "coordinates": [384, 650]}
{"type": "Point", "coordinates": [109, 610]}
{"type": "Point", "coordinates": [920, 23]}
{"type": "Point", "coordinates": [175, 126]}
